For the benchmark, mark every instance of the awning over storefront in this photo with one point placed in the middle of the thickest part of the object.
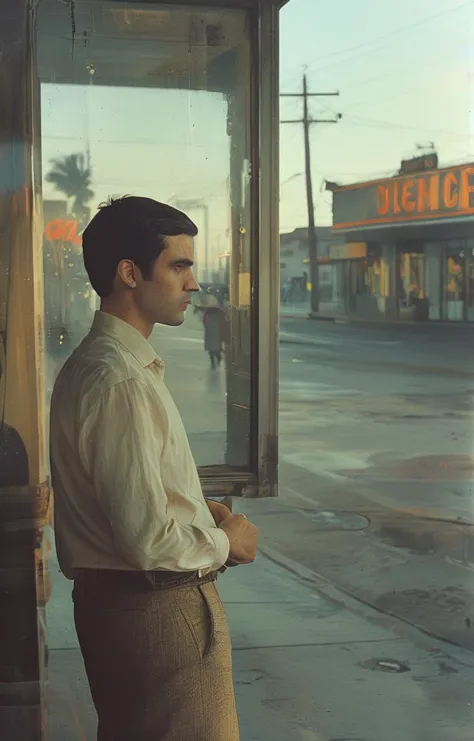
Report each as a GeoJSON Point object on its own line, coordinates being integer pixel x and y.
{"type": "Point", "coordinates": [348, 251]}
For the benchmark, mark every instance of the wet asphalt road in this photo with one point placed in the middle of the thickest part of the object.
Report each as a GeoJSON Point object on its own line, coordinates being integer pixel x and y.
{"type": "Point", "coordinates": [384, 404]}
{"type": "Point", "coordinates": [434, 347]}
{"type": "Point", "coordinates": [376, 422]}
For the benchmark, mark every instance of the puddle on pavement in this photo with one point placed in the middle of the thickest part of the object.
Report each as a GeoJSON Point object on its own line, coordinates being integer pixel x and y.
{"type": "Point", "coordinates": [420, 468]}
{"type": "Point", "coordinates": [336, 520]}
{"type": "Point", "coordinates": [321, 397]}
{"type": "Point", "coordinates": [453, 599]}
{"type": "Point", "coordinates": [390, 666]}
{"type": "Point", "coordinates": [455, 402]}
{"type": "Point", "coordinates": [385, 467]}
{"type": "Point", "coordinates": [420, 543]}
{"type": "Point", "coordinates": [447, 612]}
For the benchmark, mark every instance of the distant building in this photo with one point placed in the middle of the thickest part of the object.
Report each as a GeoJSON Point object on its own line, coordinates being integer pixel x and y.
{"type": "Point", "coordinates": [294, 264]}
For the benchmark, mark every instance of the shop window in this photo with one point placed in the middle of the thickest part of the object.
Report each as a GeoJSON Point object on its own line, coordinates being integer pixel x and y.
{"type": "Point", "coordinates": [455, 284]}
{"type": "Point", "coordinates": [133, 112]}
{"type": "Point", "coordinates": [367, 277]}
{"type": "Point", "coordinates": [411, 284]}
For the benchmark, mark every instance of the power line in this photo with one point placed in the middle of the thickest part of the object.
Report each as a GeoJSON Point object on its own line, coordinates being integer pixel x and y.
{"type": "Point", "coordinates": [388, 125]}
{"type": "Point", "coordinates": [398, 71]}
{"type": "Point", "coordinates": [306, 121]}
{"type": "Point", "coordinates": [396, 32]}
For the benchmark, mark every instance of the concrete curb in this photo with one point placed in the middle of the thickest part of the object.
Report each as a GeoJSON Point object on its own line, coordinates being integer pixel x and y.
{"type": "Point", "coordinates": [341, 596]}
{"type": "Point", "coordinates": [338, 319]}
{"type": "Point", "coordinates": [307, 315]}
{"type": "Point", "coordinates": [343, 319]}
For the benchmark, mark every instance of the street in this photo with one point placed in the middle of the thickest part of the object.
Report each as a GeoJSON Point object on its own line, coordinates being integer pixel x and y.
{"type": "Point", "coordinates": [382, 404]}
{"type": "Point", "coordinates": [362, 591]}
{"type": "Point", "coordinates": [377, 460]}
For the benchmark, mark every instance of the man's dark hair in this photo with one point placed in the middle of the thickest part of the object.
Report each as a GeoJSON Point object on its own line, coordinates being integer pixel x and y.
{"type": "Point", "coordinates": [129, 228]}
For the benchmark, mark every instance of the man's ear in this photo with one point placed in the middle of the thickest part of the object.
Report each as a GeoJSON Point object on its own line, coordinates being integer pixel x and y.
{"type": "Point", "coordinates": [127, 272]}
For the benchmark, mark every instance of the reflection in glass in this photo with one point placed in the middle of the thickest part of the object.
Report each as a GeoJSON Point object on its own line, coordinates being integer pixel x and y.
{"type": "Point", "coordinates": [153, 103]}
{"type": "Point", "coordinates": [412, 288]}
{"type": "Point", "coordinates": [455, 283]}
{"type": "Point", "coordinates": [470, 282]}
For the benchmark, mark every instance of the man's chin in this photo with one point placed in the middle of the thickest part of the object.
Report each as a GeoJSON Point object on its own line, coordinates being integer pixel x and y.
{"type": "Point", "coordinates": [175, 321]}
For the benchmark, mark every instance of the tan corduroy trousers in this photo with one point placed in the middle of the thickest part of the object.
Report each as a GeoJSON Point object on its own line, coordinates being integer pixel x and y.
{"type": "Point", "coordinates": [158, 662]}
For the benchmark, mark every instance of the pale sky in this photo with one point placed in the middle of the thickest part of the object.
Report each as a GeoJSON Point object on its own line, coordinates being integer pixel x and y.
{"type": "Point", "coordinates": [404, 73]}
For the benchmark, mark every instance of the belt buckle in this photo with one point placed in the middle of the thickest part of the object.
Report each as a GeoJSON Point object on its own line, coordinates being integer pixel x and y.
{"type": "Point", "coordinates": [200, 573]}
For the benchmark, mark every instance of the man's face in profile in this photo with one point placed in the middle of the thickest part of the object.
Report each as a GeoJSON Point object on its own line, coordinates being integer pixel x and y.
{"type": "Point", "coordinates": [165, 297]}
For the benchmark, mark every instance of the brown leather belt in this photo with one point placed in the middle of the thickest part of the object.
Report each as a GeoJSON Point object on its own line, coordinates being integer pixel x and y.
{"type": "Point", "coordinates": [143, 580]}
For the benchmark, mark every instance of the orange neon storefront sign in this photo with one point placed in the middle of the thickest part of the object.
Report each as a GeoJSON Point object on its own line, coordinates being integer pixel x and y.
{"type": "Point", "coordinates": [431, 195]}
{"type": "Point", "coordinates": [60, 230]}
{"type": "Point", "coordinates": [427, 194]}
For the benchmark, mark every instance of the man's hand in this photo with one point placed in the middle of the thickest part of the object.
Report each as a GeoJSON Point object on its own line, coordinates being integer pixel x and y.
{"type": "Point", "coordinates": [242, 536]}
{"type": "Point", "coordinates": [218, 510]}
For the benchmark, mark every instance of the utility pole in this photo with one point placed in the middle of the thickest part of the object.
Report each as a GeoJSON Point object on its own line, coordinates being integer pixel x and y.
{"type": "Point", "coordinates": [312, 240]}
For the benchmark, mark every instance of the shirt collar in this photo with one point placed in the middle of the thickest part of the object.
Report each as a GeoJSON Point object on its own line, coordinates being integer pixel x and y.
{"type": "Point", "coordinates": [127, 335]}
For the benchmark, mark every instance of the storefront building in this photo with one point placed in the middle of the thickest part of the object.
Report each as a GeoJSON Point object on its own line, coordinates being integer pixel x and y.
{"type": "Point", "coordinates": [407, 246]}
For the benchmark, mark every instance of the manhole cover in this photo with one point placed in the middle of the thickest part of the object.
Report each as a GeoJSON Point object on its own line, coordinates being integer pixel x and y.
{"type": "Point", "coordinates": [390, 666]}
{"type": "Point", "coordinates": [337, 520]}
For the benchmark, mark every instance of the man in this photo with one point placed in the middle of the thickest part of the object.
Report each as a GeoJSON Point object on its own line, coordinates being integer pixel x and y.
{"type": "Point", "coordinates": [132, 526]}
{"type": "Point", "coordinates": [214, 321]}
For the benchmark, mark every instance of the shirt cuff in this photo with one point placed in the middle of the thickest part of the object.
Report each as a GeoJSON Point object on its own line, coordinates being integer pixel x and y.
{"type": "Point", "coordinates": [222, 545]}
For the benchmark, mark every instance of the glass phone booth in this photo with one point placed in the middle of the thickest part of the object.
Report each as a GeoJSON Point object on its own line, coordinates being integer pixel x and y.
{"type": "Point", "coordinates": [177, 101]}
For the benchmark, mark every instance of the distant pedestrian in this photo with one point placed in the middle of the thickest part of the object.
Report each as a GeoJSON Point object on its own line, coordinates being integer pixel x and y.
{"type": "Point", "coordinates": [214, 320]}
{"type": "Point", "coordinates": [286, 290]}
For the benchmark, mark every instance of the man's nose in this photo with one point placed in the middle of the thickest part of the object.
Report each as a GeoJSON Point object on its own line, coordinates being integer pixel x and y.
{"type": "Point", "coordinates": [193, 285]}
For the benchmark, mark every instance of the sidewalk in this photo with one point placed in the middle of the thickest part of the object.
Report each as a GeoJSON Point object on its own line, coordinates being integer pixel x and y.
{"type": "Point", "coordinates": [304, 667]}
{"type": "Point", "coordinates": [338, 318]}
{"type": "Point", "coordinates": [412, 564]}
{"type": "Point", "coordinates": [327, 313]}
{"type": "Point", "coordinates": [295, 311]}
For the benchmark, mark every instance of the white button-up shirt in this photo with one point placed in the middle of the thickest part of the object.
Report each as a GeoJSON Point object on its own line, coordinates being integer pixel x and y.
{"type": "Point", "coordinates": [126, 489]}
